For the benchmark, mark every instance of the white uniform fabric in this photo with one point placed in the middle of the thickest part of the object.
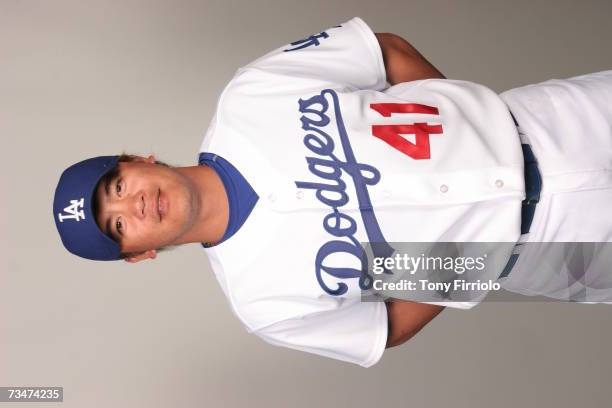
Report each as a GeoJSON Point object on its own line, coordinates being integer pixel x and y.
{"type": "Point", "coordinates": [568, 123]}
{"type": "Point", "coordinates": [298, 124]}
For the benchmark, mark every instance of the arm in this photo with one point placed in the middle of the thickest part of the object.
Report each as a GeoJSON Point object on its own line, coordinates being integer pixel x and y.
{"type": "Point", "coordinates": [403, 62]}
{"type": "Point", "coordinates": [405, 319]}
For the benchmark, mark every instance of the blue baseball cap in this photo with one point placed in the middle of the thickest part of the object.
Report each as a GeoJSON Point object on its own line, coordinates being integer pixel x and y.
{"type": "Point", "coordinates": [73, 214]}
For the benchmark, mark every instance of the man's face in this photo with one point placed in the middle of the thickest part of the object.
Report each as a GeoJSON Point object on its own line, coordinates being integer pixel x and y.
{"type": "Point", "coordinates": [145, 206]}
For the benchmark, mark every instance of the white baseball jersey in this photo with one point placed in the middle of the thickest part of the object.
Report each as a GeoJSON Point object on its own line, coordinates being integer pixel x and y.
{"type": "Point", "coordinates": [337, 158]}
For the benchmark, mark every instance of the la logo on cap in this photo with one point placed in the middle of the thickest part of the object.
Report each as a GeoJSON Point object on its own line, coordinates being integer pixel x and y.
{"type": "Point", "coordinates": [73, 212]}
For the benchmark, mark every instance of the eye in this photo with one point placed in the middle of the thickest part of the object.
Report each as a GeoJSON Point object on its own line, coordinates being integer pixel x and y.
{"type": "Point", "coordinates": [119, 187]}
{"type": "Point", "coordinates": [119, 225]}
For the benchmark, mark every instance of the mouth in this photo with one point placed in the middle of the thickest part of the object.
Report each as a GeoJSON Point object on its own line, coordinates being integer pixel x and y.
{"type": "Point", "coordinates": [161, 208]}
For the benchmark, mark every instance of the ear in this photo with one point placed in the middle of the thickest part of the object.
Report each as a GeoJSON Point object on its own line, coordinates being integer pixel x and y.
{"type": "Point", "coordinates": [141, 159]}
{"type": "Point", "coordinates": [150, 254]}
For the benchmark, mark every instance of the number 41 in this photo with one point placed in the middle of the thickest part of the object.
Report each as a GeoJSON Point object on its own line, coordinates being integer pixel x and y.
{"type": "Point", "coordinates": [391, 134]}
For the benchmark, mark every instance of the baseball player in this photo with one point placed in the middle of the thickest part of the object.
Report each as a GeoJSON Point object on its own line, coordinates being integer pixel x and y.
{"type": "Point", "coordinates": [345, 137]}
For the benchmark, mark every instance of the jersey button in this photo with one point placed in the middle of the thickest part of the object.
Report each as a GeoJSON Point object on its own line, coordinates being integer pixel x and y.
{"type": "Point", "coordinates": [386, 193]}
{"type": "Point", "coordinates": [499, 183]}
{"type": "Point", "coordinates": [272, 197]}
{"type": "Point", "coordinates": [299, 195]}
{"type": "Point", "coordinates": [443, 188]}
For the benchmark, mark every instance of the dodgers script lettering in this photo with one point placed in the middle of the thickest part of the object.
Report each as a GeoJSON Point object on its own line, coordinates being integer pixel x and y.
{"type": "Point", "coordinates": [322, 117]}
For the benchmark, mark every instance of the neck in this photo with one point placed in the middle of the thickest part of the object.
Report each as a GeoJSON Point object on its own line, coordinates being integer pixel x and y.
{"type": "Point", "coordinates": [211, 203]}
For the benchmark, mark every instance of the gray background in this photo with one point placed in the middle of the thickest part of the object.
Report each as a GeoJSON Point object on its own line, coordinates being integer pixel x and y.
{"type": "Point", "coordinates": [82, 78]}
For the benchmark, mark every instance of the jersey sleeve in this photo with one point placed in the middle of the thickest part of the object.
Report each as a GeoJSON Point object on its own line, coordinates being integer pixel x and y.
{"type": "Point", "coordinates": [355, 333]}
{"type": "Point", "coordinates": [347, 54]}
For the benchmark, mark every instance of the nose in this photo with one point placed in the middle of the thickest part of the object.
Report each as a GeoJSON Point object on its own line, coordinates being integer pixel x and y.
{"type": "Point", "coordinates": [132, 205]}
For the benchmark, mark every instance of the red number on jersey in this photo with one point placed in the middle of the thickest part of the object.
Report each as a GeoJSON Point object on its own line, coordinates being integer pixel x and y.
{"type": "Point", "coordinates": [391, 134]}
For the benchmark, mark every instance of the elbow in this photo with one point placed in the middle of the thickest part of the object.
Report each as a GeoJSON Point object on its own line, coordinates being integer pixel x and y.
{"type": "Point", "coordinates": [405, 319]}
{"type": "Point", "coordinates": [390, 39]}
{"type": "Point", "coordinates": [393, 43]}
{"type": "Point", "coordinates": [396, 337]}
